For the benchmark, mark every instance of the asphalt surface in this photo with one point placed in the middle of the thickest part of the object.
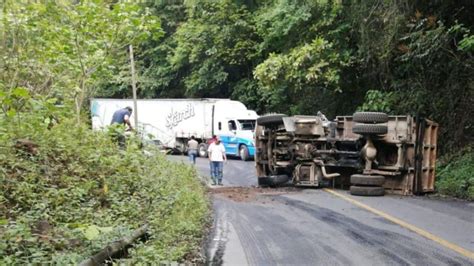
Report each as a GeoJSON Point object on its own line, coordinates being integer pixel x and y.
{"type": "Point", "coordinates": [315, 227]}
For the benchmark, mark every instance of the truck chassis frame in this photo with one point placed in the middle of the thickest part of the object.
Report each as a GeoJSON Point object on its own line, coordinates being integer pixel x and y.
{"type": "Point", "coordinates": [309, 151]}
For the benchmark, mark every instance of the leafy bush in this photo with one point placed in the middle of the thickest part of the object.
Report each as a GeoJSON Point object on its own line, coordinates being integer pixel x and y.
{"type": "Point", "coordinates": [378, 101]}
{"type": "Point", "coordinates": [67, 191]}
{"type": "Point", "coordinates": [455, 176]}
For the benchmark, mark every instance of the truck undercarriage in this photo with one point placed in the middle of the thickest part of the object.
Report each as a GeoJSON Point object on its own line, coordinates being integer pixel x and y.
{"type": "Point", "coordinates": [370, 151]}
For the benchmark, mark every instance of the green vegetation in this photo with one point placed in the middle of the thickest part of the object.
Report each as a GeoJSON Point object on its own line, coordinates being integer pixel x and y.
{"type": "Point", "coordinates": [300, 57]}
{"type": "Point", "coordinates": [69, 191]}
{"type": "Point", "coordinates": [66, 51]}
{"type": "Point", "coordinates": [66, 191]}
{"type": "Point", "coordinates": [455, 175]}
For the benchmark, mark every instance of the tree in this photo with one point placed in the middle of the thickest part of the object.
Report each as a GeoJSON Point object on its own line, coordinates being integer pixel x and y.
{"type": "Point", "coordinates": [414, 57]}
{"type": "Point", "coordinates": [293, 81]}
{"type": "Point", "coordinates": [302, 71]}
{"type": "Point", "coordinates": [73, 46]}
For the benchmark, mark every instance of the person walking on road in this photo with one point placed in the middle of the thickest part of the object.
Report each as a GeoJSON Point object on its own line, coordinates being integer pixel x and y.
{"type": "Point", "coordinates": [217, 158]}
{"type": "Point", "coordinates": [192, 149]}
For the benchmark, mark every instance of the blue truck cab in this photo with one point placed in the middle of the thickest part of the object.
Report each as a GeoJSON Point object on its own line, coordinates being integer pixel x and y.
{"type": "Point", "coordinates": [235, 126]}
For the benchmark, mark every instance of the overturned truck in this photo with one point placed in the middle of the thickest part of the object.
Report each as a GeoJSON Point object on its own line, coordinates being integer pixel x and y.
{"type": "Point", "coordinates": [370, 152]}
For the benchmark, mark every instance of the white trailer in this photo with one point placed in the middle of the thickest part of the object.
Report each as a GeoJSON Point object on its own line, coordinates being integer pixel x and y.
{"type": "Point", "coordinates": [174, 121]}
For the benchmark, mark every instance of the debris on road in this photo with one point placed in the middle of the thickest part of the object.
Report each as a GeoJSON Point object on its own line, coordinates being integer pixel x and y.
{"type": "Point", "coordinates": [245, 194]}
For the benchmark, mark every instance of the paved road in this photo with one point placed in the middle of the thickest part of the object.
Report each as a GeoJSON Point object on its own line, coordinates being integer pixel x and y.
{"type": "Point", "coordinates": [327, 227]}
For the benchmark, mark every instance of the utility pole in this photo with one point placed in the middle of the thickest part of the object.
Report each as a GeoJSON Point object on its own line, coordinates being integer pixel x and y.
{"type": "Point", "coordinates": [134, 87]}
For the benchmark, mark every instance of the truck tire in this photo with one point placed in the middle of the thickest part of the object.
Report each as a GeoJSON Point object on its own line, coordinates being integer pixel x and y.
{"type": "Point", "coordinates": [367, 191]}
{"type": "Point", "coordinates": [177, 151]}
{"type": "Point", "coordinates": [202, 150]}
{"type": "Point", "coordinates": [367, 180]}
{"type": "Point", "coordinates": [370, 117]}
{"type": "Point", "coordinates": [274, 119]}
{"type": "Point", "coordinates": [279, 179]}
{"type": "Point", "coordinates": [273, 180]}
{"type": "Point", "coordinates": [244, 153]}
{"type": "Point", "coordinates": [370, 129]}
{"type": "Point", "coordinates": [263, 181]}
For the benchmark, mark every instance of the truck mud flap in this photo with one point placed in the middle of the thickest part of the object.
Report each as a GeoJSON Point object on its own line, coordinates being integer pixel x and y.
{"type": "Point", "coordinates": [273, 180]}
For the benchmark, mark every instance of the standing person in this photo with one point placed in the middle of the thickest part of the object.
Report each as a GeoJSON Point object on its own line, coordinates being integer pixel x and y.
{"type": "Point", "coordinates": [192, 149]}
{"type": "Point", "coordinates": [217, 157]}
{"type": "Point", "coordinates": [120, 118]}
{"type": "Point", "coordinates": [209, 142]}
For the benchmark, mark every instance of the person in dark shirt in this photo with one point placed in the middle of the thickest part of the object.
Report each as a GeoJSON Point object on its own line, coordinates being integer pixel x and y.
{"type": "Point", "coordinates": [122, 116]}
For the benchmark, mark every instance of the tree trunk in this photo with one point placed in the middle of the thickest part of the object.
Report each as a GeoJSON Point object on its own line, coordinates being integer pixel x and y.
{"type": "Point", "coordinates": [114, 247]}
{"type": "Point", "coordinates": [79, 99]}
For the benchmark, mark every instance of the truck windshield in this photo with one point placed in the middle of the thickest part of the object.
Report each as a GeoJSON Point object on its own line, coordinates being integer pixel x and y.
{"type": "Point", "coordinates": [247, 124]}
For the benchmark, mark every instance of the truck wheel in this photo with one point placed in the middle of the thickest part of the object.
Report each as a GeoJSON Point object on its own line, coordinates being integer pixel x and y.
{"type": "Point", "coordinates": [244, 152]}
{"type": "Point", "coordinates": [263, 181]}
{"type": "Point", "coordinates": [366, 129]}
{"type": "Point", "coordinates": [274, 119]}
{"type": "Point", "coordinates": [370, 117]}
{"type": "Point", "coordinates": [177, 151]}
{"type": "Point", "coordinates": [202, 150]}
{"type": "Point", "coordinates": [367, 191]}
{"type": "Point", "coordinates": [273, 180]}
{"type": "Point", "coordinates": [367, 180]}
{"type": "Point", "coordinates": [276, 180]}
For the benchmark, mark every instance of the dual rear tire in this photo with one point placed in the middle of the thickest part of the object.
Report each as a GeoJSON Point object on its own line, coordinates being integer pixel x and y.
{"type": "Point", "coordinates": [367, 185]}
{"type": "Point", "coordinates": [370, 117]}
{"type": "Point", "coordinates": [370, 123]}
{"type": "Point", "coordinates": [367, 191]}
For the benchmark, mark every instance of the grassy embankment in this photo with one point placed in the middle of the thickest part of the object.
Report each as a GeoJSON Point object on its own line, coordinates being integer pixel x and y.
{"type": "Point", "coordinates": [71, 191]}
{"type": "Point", "coordinates": [455, 174]}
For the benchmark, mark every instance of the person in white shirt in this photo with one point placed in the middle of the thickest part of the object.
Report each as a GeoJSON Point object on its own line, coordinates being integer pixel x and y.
{"type": "Point", "coordinates": [217, 158]}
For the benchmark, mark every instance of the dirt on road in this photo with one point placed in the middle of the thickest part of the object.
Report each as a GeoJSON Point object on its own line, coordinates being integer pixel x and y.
{"type": "Point", "coordinates": [245, 194]}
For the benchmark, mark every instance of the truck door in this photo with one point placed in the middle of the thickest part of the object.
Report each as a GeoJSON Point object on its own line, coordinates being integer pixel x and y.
{"type": "Point", "coordinates": [229, 138]}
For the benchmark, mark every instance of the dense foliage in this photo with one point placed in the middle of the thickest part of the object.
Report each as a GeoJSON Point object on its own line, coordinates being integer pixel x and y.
{"type": "Point", "coordinates": [68, 193]}
{"type": "Point", "coordinates": [65, 50]}
{"type": "Point", "coordinates": [455, 174]}
{"type": "Point", "coordinates": [73, 191]}
{"type": "Point", "coordinates": [402, 57]}
{"type": "Point", "coordinates": [300, 57]}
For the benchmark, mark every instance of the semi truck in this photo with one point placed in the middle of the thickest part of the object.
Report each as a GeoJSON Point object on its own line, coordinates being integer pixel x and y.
{"type": "Point", "coordinates": [173, 121]}
{"type": "Point", "coordinates": [369, 152]}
